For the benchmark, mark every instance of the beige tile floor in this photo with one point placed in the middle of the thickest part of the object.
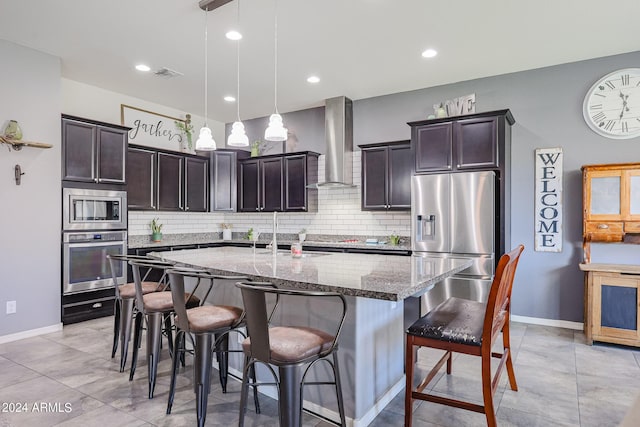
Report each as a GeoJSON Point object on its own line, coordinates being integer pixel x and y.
{"type": "Point", "coordinates": [562, 382]}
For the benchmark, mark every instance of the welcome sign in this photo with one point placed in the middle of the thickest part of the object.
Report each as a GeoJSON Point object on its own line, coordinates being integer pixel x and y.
{"type": "Point", "coordinates": [548, 193]}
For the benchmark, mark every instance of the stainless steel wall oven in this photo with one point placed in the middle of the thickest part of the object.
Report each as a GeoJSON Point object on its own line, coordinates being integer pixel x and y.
{"type": "Point", "coordinates": [94, 225]}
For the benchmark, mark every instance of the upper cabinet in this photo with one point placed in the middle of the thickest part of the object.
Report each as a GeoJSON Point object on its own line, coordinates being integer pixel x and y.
{"type": "Point", "coordinates": [168, 181]}
{"type": "Point", "coordinates": [611, 203]}
{"type": "Point", "coordinates": [93, 151]}
{"type": "Point", "coordinates": [469, 142]}
{"type": "Point", "coordinates": [278, 183]}
{"type": "Point", "coordinates": [223, 179]}
{"type": "Point", "coordinates": [386, 176]}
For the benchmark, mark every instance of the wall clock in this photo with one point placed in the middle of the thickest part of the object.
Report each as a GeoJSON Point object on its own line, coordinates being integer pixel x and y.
{"type": "Point", "coordinates": [612, 106]}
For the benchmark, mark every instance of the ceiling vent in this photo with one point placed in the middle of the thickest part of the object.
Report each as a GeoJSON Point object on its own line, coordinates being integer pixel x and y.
{"type": "Point", "coordinates": [167, 72]}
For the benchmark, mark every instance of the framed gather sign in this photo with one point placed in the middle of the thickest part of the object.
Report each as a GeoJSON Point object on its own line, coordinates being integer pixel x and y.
{"type": "Point", "coordinates": [548, 193]}
{"type": "Point", "coordinates": [149, 128]}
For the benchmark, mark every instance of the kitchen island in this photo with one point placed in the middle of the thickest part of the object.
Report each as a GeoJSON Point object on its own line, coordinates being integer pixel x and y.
{"type": "Point", "coordinates": [377, 288]}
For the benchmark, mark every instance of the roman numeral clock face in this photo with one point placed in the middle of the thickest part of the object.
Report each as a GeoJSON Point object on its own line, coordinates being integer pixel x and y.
{"type": "Point", "coordinates": [612, 105]}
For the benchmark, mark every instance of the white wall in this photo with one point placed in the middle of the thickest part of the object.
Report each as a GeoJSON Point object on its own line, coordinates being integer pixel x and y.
{"type": "Point", "coordinates": [30, 215]}
{"type": "Point", "coordinates": [91, 102]}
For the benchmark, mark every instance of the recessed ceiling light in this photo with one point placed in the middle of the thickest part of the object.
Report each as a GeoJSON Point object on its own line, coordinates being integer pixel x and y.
{"type": "Point", "coordinates": [142, 67]}
{"type": "Point", "coordinates": [229, 98]}
{"type": "Point", "coordinates": [429, 53]}
{"type": "Point", "coordinates": [233, 35]}
{"type": "Point", "coordinates": [313, 79]}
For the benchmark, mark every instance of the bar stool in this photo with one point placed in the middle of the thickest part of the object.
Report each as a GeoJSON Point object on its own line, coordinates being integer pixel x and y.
{"type": "Point", "coordinates": [124, 302]}
{"type": "Point", "coordinates": [293, 350]}
{"type": "Point", "coordinates": [155, 308]}
{"type": "Point", "coordinates": [211, 325]}
{"type": "Point", "coordinates": [468, 327]}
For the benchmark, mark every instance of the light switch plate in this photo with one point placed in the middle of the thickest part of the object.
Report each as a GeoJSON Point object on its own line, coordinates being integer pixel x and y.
{"type": "Point", "coordinates": [11, 307]}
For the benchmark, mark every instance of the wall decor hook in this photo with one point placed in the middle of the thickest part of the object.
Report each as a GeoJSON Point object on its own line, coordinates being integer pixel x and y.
{"type": "Point", "coordinates": [18, 174]}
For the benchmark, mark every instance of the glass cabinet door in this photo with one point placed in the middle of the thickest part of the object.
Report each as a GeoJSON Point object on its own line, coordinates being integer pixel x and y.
{"type": "Point", "coordinates": [634, 194]}
{"type": "Point", "coordinates": [605, 192]}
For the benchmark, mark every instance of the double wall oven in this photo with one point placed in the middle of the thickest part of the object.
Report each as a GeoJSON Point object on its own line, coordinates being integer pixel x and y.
{"type": "Point", "coordinates": [94, 225]}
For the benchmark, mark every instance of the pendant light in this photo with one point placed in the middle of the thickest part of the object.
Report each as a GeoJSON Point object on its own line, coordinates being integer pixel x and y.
{"type": "Point", "coordinates": [205, 140]}
{"type": "Point", "coordinates": [238, 137]}
{"type": "Point", "coordinates": [276, 131]}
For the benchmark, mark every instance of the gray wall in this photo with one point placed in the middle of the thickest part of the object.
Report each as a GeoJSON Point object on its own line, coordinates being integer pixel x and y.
{"type": "Point", "coordinates": [547, 106]}
{"type": "Point", "coordinates": [30, 213]}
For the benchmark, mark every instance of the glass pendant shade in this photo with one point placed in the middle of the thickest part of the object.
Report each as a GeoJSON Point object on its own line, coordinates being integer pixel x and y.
{"type": "Point", "coordinates": [205, 140]}
{"type": "Point", "coordinates": [238, 137]}
{"type": "Point", "coordinates": [276, 130]}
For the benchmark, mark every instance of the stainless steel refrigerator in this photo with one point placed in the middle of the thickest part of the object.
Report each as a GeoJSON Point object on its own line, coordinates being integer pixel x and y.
{"type": "Point", "coordinates": [454, 215]}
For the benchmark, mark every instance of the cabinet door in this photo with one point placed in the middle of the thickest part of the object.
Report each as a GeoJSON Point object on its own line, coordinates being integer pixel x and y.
{"type": "Point", "coordinates": [141, 173]}
{"type": "Point", "coordinates": [399, 177]}
{"type": "Point", "coordinates": [112, 146]}
{"type": "Point", "coordinates": [223, 181]}
{"type": "Point", "coordinates": [615, 310]}
{"type": "Point", "coordinates": [434, 147]}
{"type": "Point", "coordinates": [374, 178]}
{"type": "Point", "coordinates": [603, 192]}
{"type": "Point", "coordinates": [195, 184]}
{"type": "Point", "coordinates": [248, 176]}
{"type": "Point", "coordinates": [271, 185]}
{"type": "Point", "coordinates": [476, 142]}
{"type": "Point", "coordinates": [170, 173]}
{"type": "Point", "coordinates": [295, 183]}
{"type": "Point", "coordinates": [79, 151]}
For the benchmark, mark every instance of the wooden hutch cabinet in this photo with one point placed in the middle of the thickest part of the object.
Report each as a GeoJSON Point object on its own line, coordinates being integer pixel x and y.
{"type": "Point", "coordinates": [611, 213]}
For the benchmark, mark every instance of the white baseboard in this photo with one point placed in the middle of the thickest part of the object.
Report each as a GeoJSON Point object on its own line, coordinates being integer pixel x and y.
{"type": "Point", "coordinates": [30, 333]}
{"type": "Point", "coordinates": [578, 326]}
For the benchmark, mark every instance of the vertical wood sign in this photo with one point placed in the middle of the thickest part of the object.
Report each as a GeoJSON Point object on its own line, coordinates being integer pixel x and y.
{"type": "Point", "coordinates": [548, 193]}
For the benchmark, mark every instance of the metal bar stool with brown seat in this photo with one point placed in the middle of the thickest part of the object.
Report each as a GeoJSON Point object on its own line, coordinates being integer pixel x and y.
{"type": "Point", "coordinates": [125, 302]}
{"type": "Point", "coordinates": [293, 350]}
{"type": "Point", "coordinates": [468, 327]}
{"type": "Point", "coordinates": [211, 325]}
{"type": "Point", "coordinates": [153, 308]}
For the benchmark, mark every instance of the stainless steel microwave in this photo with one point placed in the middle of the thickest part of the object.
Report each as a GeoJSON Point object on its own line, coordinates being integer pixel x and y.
{"type": "Point", "coordinates": [90, 209]}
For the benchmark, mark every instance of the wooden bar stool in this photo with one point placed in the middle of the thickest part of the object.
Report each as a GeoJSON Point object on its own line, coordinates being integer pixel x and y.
{"type": "Point", "coordinates": [468, 327]}
{"type": "Point", "coordinates": [293, 350]}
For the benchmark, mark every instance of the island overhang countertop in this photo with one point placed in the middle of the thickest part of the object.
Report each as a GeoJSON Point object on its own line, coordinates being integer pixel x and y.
{"type": "Point", "coordinates": [384, 277]}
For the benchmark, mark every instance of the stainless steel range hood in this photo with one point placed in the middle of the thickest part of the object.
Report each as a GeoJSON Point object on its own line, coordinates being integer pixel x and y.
{"type": "Point", "coordinates": [338, 129]}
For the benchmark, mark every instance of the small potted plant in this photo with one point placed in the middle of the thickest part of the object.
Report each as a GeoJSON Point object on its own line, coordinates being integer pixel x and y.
{"type": "Point", "coordinates": [156, 230]}
{"type": "Point", "coordinates": [302, 235]}
{"type": "Point", "coordinates": [255, 148]}
{"type": "Point", "coordinates": [186, 130]}
{"type": "Point", "coordinates": [250, 234]}
{"type": "Point", "coordinates": [226, 231]}
{"type": "Point", "coordinates": [394, 239]}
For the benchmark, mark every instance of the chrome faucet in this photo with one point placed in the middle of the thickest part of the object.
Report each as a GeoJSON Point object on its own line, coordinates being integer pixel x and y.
{"type": "Point", "coordinates": [274, 239]}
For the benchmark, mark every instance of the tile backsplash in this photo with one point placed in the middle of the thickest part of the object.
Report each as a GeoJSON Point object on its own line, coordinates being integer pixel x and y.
{"type": "Point", "coordinates": [338, 213]}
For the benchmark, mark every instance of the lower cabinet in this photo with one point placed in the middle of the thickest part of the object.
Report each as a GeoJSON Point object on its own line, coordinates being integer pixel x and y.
{"type": "Point", "coordinates": [611, 304]}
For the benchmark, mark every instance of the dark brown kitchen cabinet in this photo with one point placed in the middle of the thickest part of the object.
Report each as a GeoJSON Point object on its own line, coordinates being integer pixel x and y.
{"type": "Point", "coordinates": [470, 142]}
{"type": "Point", "coordinates": [299, 172]}
{"type": "Point", "coordinates": [386, 176]}
{"type": "Point", "coordinates": [278, 183]}
{"type": "Point", "coordinates": [224, 179]}
{"type": "Point", "coordinates": [196, 177]}
{"type": "Point", "coordinates": [260, 185]}
{"type": "Point", "coordinates": [93, 151]}
{"type": "Point", "coordinates": [169, 181]}
{"type": "Point", "coordinates": [141, 174]}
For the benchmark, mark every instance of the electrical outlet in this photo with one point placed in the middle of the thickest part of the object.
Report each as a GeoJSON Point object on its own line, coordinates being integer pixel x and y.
{"type": "Point", "coordinates": [11, 307]}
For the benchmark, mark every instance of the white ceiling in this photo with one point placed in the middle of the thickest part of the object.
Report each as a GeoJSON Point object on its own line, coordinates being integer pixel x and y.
{"type": "Point", "coordinates": [359, 48]}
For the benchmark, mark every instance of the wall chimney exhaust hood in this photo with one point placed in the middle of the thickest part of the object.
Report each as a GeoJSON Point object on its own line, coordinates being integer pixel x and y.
{"type": "Point", "coordinates": [338, 128]}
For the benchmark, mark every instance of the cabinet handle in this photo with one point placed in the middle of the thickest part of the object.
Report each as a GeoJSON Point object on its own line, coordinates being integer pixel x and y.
{"type": "Point", "coordinates": [603, 226]}
{"type": "Point", "coordinates": [95, 179]}
{"type": "Point", "coordinates": [257, 208]}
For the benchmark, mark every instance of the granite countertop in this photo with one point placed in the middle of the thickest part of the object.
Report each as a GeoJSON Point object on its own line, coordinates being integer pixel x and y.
{"type": "Point", "coordinates": [144, 241]}
{"type": "Point", "coordinates": [384, 277]}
